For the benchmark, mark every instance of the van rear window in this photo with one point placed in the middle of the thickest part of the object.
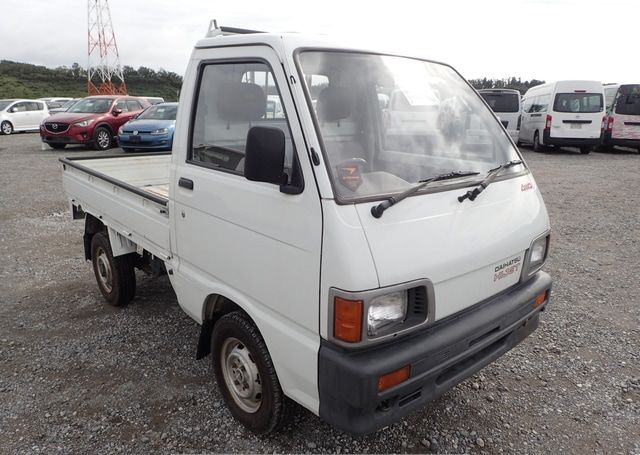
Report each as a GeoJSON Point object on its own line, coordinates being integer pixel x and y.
{"type": "Point", "coordinates": [578, 102]}
{"type": "Point", "coordinates": [628, 101]}
{"type": "Point", "coordinates": [502, 102]}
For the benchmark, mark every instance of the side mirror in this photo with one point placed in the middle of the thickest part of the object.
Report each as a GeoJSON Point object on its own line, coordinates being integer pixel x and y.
{"type": "Point", "coordinates": [264, 155]}
{"type": "Point", "coordinates": [116, 111]}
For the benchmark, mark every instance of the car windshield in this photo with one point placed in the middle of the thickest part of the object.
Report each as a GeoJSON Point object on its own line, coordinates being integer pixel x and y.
{"type": "Point", "coordinates": [502, 102]}
{"type": "Point", "coordinates": [433, 123]}
{"type": "Point", "coordinates": [4, 104]}
{"type": "Point", "coordinates": [628, 102]}
{"type": "Point", "coordinates": [578, 102]}
{"type": "Point", "coordinates": [160, 112]}
{"type": "Point", "coordinates": [92, 105]}
{"type": "Point", "coordinates": [68, 104]}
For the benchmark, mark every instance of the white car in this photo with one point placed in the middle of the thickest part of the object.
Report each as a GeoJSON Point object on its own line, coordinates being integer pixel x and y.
{"type": "Point", "coordinates": [21, 115]}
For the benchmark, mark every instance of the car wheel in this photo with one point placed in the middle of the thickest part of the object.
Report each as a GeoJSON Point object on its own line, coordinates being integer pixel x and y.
{"type": "Point", "coordinates": [537, 146]}
{"type": "Point", "coordinates": [57, 146]}
{"type": "Point", "coordinates": [115, 275]}
{"type": "Point", "coordinates": [101, 138]}
{"type": "Point", "coordinates": [245, 374]}
{"type": "Point", "coordinates": [6, 127]}
{"type": "Point", "coordinates": [585, 150]}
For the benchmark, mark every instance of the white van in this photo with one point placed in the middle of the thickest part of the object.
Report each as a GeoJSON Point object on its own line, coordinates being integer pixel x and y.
{"type": "Point", "coordinates": [21, 115]}
{"type": "Point", "coordinates": [563, 113]}
{"type": "Point", "coordinates": [506, 103]}
{"type": "Point", "coordinates": [357, 269]}
{"type": "Point", "coordinates": [622, 124]}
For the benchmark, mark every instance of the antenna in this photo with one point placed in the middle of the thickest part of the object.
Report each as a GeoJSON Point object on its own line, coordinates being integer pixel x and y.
{"type": "Point", "coordinates": [104, 73]}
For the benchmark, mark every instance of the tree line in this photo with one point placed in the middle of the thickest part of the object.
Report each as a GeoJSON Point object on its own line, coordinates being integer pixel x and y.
{"type": "Point", "coordinates": [511, 83]}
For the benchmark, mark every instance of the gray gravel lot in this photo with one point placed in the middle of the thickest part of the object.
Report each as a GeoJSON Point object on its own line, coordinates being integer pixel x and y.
{"type": "Point", "coordinates": [77, 376]}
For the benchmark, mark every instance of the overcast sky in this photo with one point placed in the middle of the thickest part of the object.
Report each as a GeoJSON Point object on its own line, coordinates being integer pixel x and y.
{"type": "Point", "coordinates": [542, 39]}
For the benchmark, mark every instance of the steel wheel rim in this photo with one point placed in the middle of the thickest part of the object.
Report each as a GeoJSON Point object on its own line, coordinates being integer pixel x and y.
{"type": "Point", "coordinates": [103, 269]}
{"type": "Point", "coordinates": [6, 128]}
{"type": "Point", "coordinates": [103, 139]}
{"type": "Point", "coordinates": [241, 375]}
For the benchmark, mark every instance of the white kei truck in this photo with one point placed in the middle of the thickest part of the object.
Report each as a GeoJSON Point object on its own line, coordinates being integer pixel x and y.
{"type": "Point", "coordinates": [358, 270]}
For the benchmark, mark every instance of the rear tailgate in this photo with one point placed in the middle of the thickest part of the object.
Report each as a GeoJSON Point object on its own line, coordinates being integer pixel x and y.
{"type": "Point", "coordinates": [577, 115]}
{"type": "Point", "coordinates": [127, 193]}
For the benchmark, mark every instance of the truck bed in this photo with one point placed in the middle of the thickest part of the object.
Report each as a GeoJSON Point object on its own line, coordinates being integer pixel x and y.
{"type": "Point", "coordinates": [128, 193]}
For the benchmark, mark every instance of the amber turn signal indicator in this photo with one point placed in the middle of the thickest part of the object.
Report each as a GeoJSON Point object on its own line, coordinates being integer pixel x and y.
{"type": "Point", "coordinates": [386, 381]}
{"type": "Point", "coordinates": [540, 298]}
{"type": "Point", "coordinates": [347, 319]}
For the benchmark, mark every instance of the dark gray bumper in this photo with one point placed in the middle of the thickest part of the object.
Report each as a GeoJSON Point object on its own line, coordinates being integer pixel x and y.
{"type": "Point", "coordinates": [440, 357]}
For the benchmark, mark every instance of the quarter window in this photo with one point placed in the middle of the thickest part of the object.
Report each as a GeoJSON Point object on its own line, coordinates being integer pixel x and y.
{"type": "Point", "coordinates": [233, 98]}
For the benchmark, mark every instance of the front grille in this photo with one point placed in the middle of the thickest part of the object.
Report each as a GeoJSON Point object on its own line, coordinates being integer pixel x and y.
{"type": "Point", "coordinates": [55, 127]}
{"type": "Point", "coordinates": [138, 132]}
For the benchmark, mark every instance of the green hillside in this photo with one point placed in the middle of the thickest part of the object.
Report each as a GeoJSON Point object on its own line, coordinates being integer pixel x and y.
{"type": "Point", "coordinates": [23, 80]}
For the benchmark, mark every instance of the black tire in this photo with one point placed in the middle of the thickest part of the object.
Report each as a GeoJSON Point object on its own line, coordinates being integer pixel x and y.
{"type": "Point", "coordinates": [102, 138]}
{"type": "Point", "coordinates": [57, 146]}
{"type": "Point", "coordinates": [239, 350]}
{"type": "Point", "coordinates": [115, 276]}
{"type": "Point", "coordinates": [537, 146]}
{"type": "Point", "coordinates": [585, 150]}
{"type": "Point", "coordinates": [6, 128]}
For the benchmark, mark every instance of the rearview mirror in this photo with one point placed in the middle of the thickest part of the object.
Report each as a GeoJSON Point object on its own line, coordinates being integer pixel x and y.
{"type": "Point", "coordinates": [116, 111]}
{"type": "Point", "coordinates": [264, 155]}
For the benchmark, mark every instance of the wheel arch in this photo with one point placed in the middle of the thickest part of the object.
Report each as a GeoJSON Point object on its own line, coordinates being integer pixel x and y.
{"type": "Point", "coordinates": [215, 306]}
{"type": "Point", "coordinates": [92, 226]}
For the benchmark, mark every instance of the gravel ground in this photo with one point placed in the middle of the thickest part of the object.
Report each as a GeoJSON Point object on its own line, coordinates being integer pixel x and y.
{"type": "Point", "coordinates": [77, 376]}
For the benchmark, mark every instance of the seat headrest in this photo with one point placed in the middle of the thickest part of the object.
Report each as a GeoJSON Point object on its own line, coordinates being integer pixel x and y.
{"type": "Point", "coordinates": [241, 101]}
{"type": "Point", "coordinates": [334, 103]}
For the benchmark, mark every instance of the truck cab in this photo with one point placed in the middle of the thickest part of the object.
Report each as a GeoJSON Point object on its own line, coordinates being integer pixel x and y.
{"type": "Point", "coordinates": [358, 269]}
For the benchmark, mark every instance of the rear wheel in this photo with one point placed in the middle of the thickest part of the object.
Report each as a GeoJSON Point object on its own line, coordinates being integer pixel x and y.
{"type": "Point", "coordinates": [245, 374]}
{"type": "Point", "coordinates": [537, 146]}
{"type": "Point", "coordinates": [115, 275]}
{"type": "Point", "coordinates": [101, 138]}
{"type": "Point", "coordinates": [585, 150]}
{"type": "Point", "coordinates": [57, 146]}
{"type": "Point", "coordinates": [6, 127]}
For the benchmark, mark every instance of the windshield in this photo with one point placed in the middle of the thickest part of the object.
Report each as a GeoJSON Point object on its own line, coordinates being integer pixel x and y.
{"type": "Point", "coordinates": [160, 112]}
{"type": "Point", "coordinates": [4, 104]}
{"type": "Point", "coordinates": [578, 102]}
{"type": "Point", "coordinates": [433, 123]}
{"type": "Point", "coordinates": [92, 105]}
{"type": "Point", "coordinates": [68, 104]}
{"type": "Point", "coordinates": [628, 101]}
{"type": "Point", "coordinates": [502, 102]}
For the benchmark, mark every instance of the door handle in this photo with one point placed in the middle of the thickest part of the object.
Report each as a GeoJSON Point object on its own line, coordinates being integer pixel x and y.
{"type": "Point", "coordinates": [185, 183]}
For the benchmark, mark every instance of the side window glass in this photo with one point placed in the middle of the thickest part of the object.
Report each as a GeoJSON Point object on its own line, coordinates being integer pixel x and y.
{"type": "Point", "coordinates": [20, 107]}
{"type": "Point", "coordinates": [233, 98]}
{"type": "Point", "coordinates": [133, 105]}
{"type": "Point", "coordinates": [527, 104]}
{"type": "Point", "coordinates": [122, 105]}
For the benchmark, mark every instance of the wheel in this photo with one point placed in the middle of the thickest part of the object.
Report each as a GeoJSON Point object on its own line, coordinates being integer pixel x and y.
{"type": "Point", "coordinates": [57, 146]}
{"type": "Point", "coordinates": [245, 374]}
{"type": "Point", "coordinates": [585, 150]}
{"type": "Point", "coordinates": [6, 127]}
{"type": "Point", "coordinates": [101, 138]}
{"type": "Point", "coordinates": [115, 275]}
{"type": "Point", "coordinates": [537, 146]}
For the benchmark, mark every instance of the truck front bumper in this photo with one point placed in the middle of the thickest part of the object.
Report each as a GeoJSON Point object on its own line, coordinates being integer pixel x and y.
{"type": "Point", "coordinates": [440, 357]}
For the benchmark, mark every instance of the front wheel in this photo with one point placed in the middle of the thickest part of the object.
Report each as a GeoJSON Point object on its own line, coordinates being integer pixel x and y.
{"type": "Point", "coordinates": [537, 146]}
{"type": "Point", "coordinates": [6, 127]}
{"type": "Point", "coordinates": [101, 138]}
{"type": "Point", "coordinates": [245, 374]}
{"type": "Point", "coordinates": [116, 276]}
{"type": "Point", "coordinates": [57, 146]}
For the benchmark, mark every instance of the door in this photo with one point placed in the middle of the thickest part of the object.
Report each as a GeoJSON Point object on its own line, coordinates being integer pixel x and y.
{"type": "Point", "coordinates": [37, 114]}
{"type": "Point", "coordinates": [243, 239]}
{"type": "Point", "coordinates": [19, 115]}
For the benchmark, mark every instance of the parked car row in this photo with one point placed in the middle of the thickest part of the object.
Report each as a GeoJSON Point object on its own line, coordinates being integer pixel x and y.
{"type": "Point", "coordinates": [583, 114]}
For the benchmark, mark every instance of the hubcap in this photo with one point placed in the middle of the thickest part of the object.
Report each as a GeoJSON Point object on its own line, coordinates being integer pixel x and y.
{"type": "Point", "coordinates": [103, 139]}
{"type": "Point", "coordinates": [104, 270]}
{"type": "Point", "coordinates": [6, 128]}
{"type": "Point", "coordinates": [241, 375]}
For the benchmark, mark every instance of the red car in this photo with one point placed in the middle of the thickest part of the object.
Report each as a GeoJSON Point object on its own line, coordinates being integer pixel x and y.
{"type": "Point", "coordinates": [94, 121]}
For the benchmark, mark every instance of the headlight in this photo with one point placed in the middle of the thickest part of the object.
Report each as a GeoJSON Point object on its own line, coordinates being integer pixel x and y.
{"type": "Point", "coordinates": [84, 123]}
{"type": "Point", "coordinates": [537, 254]}
{"type": "Point", "coordinates": [160, 131]}
{"type": "Point", "coordinates": [386, 311]}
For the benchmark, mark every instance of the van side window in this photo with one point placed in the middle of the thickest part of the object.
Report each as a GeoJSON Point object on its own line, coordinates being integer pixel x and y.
{"type": "Point", "coordinates": [233, 98]}
{"type": "Point", "coordinates": [526, 104]}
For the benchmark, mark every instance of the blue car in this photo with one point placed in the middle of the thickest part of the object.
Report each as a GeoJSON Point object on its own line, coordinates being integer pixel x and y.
{"type": "Point", "coordinates": [151, 130]}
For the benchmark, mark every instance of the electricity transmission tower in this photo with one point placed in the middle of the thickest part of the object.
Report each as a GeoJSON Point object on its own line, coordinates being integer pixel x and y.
{"type": "Point", "coordinates": [104, 73]}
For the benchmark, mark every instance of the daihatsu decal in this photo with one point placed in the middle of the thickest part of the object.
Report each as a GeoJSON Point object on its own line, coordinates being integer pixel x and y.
{"type": "Point", "coordinates": [508, 268]}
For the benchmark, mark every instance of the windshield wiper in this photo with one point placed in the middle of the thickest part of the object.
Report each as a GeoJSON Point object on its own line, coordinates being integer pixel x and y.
{"type": "Point", "coordinates": [378, 210]}
{"type": "Point", "coordinates": [488, 180]}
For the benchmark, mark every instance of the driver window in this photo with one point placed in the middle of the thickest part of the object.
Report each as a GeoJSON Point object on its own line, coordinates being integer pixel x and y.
{"type": "Point", "coordinates": [122, 105]}
{"type": "Point", "coordinates": [232, 98]}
